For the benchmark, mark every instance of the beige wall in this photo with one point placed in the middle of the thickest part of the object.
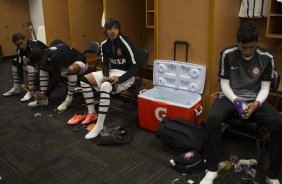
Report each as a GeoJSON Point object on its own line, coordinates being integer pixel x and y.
{"type": "Point", "coordinates": [14, 18]}
{"type": "Point", "coordinates": [85, 22]}
{"type": "Point", "coordinates": [184, 20]}
{"type": "Point", "coordinates": [226, 23]}
{"type": "Point", "coordinates": [56, 19]}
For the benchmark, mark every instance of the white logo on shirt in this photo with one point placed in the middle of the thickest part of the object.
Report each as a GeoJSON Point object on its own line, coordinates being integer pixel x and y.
{"type": "Point", "coordinates": [234, 68]}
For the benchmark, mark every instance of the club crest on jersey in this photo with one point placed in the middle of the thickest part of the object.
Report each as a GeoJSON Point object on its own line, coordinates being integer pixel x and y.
{"type": "Point", "coordinates": [255, 71]}
{"type": "Point", "coordinates": [53, 48]}
{"type": "Point", "coordinates": [119, 52]}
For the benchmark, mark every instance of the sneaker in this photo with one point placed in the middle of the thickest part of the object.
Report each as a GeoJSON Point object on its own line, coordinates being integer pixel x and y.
{"type": "Point", "coordinates": [89, 119]}
{"type": "Point", "coordinates": [12, 91]}
{"type": "Point", "coordinates": [272, 181]}
{"type": "Point", "coordinates": [27, 96]}
{"type": "Point", "coordinates": [36, 103]}
{"type": "Point", "coordinates": [64, 106]}
{"type": "Point", "coordinates": [77, 118]}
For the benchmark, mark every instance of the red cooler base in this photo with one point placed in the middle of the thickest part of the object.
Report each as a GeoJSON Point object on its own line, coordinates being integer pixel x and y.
{"type": "Point", "coordinates": [152, 112]}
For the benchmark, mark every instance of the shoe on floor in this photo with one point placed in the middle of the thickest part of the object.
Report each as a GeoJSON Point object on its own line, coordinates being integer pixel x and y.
{"type": "Point", "coordinates": [272, 181]}
{"type": "Point", "coordinates": [89, 119]}
{"type": "Point", "coordinates": [77, 118]}
{"type": "Point", "coordinates": [27, 96]}
{"type": "Point", "coordinates": [12, 91]}
{"type": "Point", "coordinates": [91, 126]}
{"type": "Point", "coordinates": [36, 103]}
{"type": "Point", "coordinates": [64, 106]}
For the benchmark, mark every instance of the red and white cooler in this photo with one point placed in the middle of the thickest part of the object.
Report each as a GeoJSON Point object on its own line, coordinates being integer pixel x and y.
{"type": "Point", "coordinates": [177, 93]}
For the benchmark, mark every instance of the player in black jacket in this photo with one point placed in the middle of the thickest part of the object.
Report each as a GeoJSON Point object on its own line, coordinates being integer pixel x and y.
{"type": "Point", "coordinates": [58, 60]}
{"type": "Point", "coordinates": [24, 47]}
{"type": "Point", "coordinates": [118, 69]}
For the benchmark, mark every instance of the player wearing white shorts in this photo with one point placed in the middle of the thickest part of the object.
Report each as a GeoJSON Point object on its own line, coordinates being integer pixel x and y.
{"type": "Point", "coordinates": [118, 69]}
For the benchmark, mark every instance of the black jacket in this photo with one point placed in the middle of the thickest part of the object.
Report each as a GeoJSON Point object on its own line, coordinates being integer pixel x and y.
{"type": "Point", "coordinates": [118, 54]}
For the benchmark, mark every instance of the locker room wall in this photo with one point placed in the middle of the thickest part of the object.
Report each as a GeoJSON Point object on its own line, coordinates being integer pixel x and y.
{"type": "Point", "coordinates": [14, 18]}
{"type": "Point", "coordinates": [85, 22]}
{"type": "Point", "coordinates": [184, 20]}
{"type": "Point", "coordinates": [225, 26]}
{"type": "Point", "coordinates": [56, 19]}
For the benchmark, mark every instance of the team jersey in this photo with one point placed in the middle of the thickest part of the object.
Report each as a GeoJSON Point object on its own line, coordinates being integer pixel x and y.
{"type": "Point", "coordinates": [61, 56]}
{"type": "Point", "coordinates": [31, 44]}
{"type": "Point", "coordinates": [245, 75]}
{"type": "Point", "coordinates": [118, 54]}
{"type": "Point", "coordinates": [254, 8]}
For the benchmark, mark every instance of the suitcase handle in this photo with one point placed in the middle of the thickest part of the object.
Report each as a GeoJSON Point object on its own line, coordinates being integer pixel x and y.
{"type": "Point", "coordinates": [183, 43]}
{"type": "Point", "coordinates": [198, 113]}
{"type": "Point", "coordinates": [142, 91]}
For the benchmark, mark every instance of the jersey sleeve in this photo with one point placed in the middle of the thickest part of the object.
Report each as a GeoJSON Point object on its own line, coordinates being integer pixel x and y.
{"type": "Point", "coordinates": [224, 67]}
{"type": "Point", "coordinates": [134, 65]}
{"type": "Point", "coordinates": [267, 73]}
{"type": "Point", "coordinates": [105, 62]}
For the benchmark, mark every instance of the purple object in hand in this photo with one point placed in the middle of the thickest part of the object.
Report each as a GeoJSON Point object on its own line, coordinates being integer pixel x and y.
{"type": "Point", "coordinates": [241, 107]}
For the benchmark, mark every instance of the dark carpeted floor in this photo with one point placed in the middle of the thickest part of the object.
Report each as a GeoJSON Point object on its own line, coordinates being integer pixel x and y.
{"type": "Point", "coordinates": [42, 149]}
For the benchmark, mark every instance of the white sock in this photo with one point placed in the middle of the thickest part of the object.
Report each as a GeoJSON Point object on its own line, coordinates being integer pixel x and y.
{"type": "Point", "coordinates": [16, 77]}
{"type": "Point", "coordinates": [88, 97]}
{"type": "Point", "coordinates": [105, 90]}
{"type": "Point", "coordinates": [272, 181]}
{"type": "Point", "coordinates": [31, 74]}
{"type": "Point", "coordinates": [72, 80]}
{"type": "Point", "coordinates": [43, 80]}
{"type": "Point", "coordinates": [209, 178]}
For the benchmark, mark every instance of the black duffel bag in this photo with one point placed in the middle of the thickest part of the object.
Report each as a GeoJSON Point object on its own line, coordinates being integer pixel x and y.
{"type": "Point", "coordinates": [181, 135]}
{"type": "Point", "coordinates": [114, 136]}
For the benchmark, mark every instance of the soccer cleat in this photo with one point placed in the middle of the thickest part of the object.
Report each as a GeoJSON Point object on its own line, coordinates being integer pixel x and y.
{"type": "Point", "coordinates": [89, 119]}
{"type": "Point", "coordinates": [77, 118]}
{"type": "Point", "coordinates": [272, 181]}
{"type": "Point", "coordinates": [27, 96]}
{"type": "Point", "coordinates": [64, 106]}
{"type": "Point", "coordinates": [36, 103]}
{"type": "Point", "coordinates": [12, 91]}
{"type": "Point", "coordinates": [91, 126]}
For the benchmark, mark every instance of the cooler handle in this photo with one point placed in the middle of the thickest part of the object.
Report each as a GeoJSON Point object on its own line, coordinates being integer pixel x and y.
{"type": "Point", "coordinates": [142, 91]}
{"type": "Point", "coordinates": [198, 113]}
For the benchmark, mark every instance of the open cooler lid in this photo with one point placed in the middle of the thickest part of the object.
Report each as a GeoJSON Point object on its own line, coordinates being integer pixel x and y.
{"type": "Point", "coordinates": [179, 75]}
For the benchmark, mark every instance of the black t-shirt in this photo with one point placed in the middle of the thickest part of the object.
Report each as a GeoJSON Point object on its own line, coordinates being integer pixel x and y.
{"type": "Point", "coordinates": [245, 75]}
{"type": "Point", "coordinates": [61, 56]}
{"type": "Point", "coordinates": [31, 44]}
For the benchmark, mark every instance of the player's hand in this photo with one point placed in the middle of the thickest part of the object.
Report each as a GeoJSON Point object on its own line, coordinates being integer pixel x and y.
{"type": "Point", "coordinates": [25, 87]}
{"type": "Point", "coordinates": [114, 79]}
{"type": "Point", "coordinates": [252, 107]}
{"type": "Point", "coordinates": [105, 78]}
{"type": "Point", "coordinates": [32, 87]}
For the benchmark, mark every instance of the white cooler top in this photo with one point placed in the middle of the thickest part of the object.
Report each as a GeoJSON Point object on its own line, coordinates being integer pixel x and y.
{"type": "Point", "coordinates": [170, 96]}
{"type": "Point", "coordinates": [177, 83]}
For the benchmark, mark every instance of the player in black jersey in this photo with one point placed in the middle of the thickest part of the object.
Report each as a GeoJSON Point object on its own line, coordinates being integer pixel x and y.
{"type": "Point", "coordinates": [245, 74]}
{"type": "Point", "coordinates": [22, 62]}
{"type": "Point", "coordinates": [58, 60]}
{"type": "Point", "coordinates": [118, 69]}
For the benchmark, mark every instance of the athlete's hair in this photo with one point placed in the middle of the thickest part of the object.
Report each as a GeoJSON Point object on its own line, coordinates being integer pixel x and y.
{"type": "Point", "coordinates": [36, 55]}
{"type": "Point", "coordinates": [111, 22]}
{"type": "Point", "coordinates": [17, 36]}
{"type": "Point", "coordinates": [57, 42]}
{"type": "Point", "coordinates": [247, 32]}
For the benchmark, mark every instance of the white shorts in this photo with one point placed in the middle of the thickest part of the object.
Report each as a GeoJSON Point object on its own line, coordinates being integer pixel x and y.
{"type": "Point", "coordinates": [83, 68]}
{"type": "Point", "coordinates": [113, 72]}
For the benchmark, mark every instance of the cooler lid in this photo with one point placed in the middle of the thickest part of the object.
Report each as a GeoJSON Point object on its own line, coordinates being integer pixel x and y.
{"type": "Point", "coordinates": [179, 75]}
